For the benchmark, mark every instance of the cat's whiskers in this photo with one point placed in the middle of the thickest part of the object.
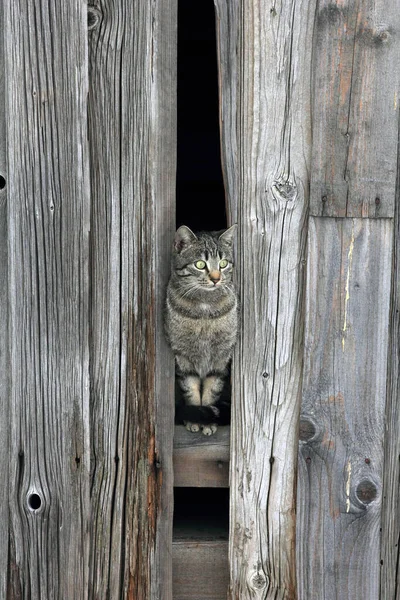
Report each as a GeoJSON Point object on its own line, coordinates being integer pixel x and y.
{"type": "Point", "coordinates": [195, 286]}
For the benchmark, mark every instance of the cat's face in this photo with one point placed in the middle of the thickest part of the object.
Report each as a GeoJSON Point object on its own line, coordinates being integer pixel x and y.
{"type": "Point", "coordinates": [203, 261]}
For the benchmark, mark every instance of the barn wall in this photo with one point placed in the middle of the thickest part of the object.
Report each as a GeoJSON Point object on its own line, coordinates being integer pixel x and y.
{"type": "Point", "coordinates": [309, 104]}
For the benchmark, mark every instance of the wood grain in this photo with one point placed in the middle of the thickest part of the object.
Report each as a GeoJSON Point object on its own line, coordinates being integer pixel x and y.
{"type": "Point", "coordinates": [200, 570]}
{"type": "Point", "coordinates": [342, 421]}
{"type": "Point", "coordinates": [201, 461]}
{"type": "Point", "coordinates": [4, 357]}
{"type": "Point", "coordinates": [48, 227]}
{"type": "Point", "coordinates": [390, 546]}
{"type": "Point", "coordinates": [269, 198]}
{"type": "Point", "coordinates": [132, 126]}
{"type": "Point", "coordinates": [356, 90]}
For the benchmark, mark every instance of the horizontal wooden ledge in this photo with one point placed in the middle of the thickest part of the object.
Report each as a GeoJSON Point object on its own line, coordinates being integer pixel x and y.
{"type": "Point", "coordinates": [200, 569]}
{"type": "Point", "coordinates": [199, 460]}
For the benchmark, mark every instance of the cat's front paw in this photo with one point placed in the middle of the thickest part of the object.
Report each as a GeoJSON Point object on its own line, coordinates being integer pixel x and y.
{"type": "Point", "coordinates": [209, 429]}
{"type": "Point", "coordinates": [193, 427]}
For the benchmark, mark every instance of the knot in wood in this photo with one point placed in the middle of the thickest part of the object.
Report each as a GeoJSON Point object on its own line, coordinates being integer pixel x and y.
{"type": "Point", "coordinates": [366, 491]}
{"type": "Point", "coordinates": [307, 430]}
{"type": "Point", "coordinates": [258, 581]}
{"type": "Point", "coordinates": [286, 190]}
{"type": "Point", "coordinates": [93, 17]}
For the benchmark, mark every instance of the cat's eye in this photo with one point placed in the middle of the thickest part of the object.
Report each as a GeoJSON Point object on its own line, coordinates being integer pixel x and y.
{"type": "Point", "coordinates": [223, 263]}
{"type": "Point", "coordinates": [200, 264]}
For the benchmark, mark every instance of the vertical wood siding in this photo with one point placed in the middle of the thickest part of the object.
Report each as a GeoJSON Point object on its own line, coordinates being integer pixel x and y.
{"type": "Point", "coordinates": [390, 548]}
{"type": "Point", "coordinates": [269, 179]}
{"type": "Point", "coordinates": [342, 422]}
{"type": "Point", "coordinates": [132, 65]}
{"type": "Point", "coordinates": [132, 143]}
{"type": "Point", "coordinates": [355, 108]}
{"type": "Point", "coordinates": [48, 227]}
{"type": "Point", "coordinates": [4, 354]}
{"type": "Point", "coordinates": [356, 82]}
{"type": "Point", "coordinates": [91, 377]}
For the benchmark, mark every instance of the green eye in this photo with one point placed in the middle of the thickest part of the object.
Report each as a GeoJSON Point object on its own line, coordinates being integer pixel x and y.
{"type": "Point", "coordinates": [223, 263]}
{"type": "Point", "coordinates": [200, 264]}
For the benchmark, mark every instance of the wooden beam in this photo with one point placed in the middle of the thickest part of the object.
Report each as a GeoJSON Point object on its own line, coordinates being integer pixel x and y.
{"type": "Point", "coordinates": [48, 227]}
{"type": "Point", "coordinates": [342, 422]}
{"type": "Point", "coordinates": [355, 108]}
{"type": "Point", "coordinates": [200, 569]}
{"type": "Point", "coordinates": [201, 461]}
{"type": "Point", "coordinates": [132, 74]}
{"type": "Point", "coordinates": [390, 546]}
{"type": "Point", "coordinates": [4, 352]}
{"type": "Point", "coordinates": [268, 50]}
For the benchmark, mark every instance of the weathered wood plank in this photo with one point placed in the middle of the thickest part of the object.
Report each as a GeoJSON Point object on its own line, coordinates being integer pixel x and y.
{"type": "Point", "coordinates": [390, 546]}
{"type": "Point", "coordinates": [201, 570]}
{"type": "Point", "coordinates": [48, 227]}
{"type": "Point", "coordinates": [200, 461]}
{"type": "Point", "coordinates": [356, 93]}
{"type": "Point", "coordinates": [4, 358]}
{"type": "Point", "coordinates": [269, 200]}
{"type": "Point", "coordinates": [132, 137]}
{"type": "Point", "coordinates": [227, 15]}
{"type": "Point", "coordinates": [342, 421]}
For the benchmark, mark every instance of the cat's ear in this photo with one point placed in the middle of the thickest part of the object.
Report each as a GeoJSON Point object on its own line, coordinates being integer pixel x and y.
{"type": "Point", "coordinates": [228, 235]}
{"type": "Point", "coordinates": [184, 237]}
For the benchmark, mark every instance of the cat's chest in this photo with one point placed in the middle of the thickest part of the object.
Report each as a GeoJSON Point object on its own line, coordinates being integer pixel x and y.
{"type": "Point", "coordinates": [204, 329]}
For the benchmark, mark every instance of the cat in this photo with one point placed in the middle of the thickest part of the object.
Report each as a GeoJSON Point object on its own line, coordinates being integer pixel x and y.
{"type": "Point", "coordinates": [201, 322]}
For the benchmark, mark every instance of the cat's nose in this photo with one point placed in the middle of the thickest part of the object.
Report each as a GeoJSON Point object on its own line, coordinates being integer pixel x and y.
{"type": "Point", "coordinates": [215, 276]}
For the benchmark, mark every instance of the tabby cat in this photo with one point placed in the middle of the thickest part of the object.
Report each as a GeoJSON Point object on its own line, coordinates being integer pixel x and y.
{"type": "Point", "coordinates": [201, 321]}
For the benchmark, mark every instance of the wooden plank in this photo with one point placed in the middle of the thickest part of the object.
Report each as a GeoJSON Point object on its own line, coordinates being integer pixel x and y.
{"type": "Point", "coordinates": [342, 421]}
{"type": "Point", "coordinates": [200, 570]}
{"type": "Point", "coordinates": [356, 104]}
{"type": "Point", "coordinates": [270, 198]}
{"type": "Point", "coordinates": [390, 547]}
{"type": "Point", "coordinates": [132, 76]}
{"type": "Point", "coordinates": [48, 227]}
{"type": "Point", "coordinates": [200, 461]}
{"type": "Point", "coordinates": [226, 16]}
{"type": "Point", "coordinates": [4, 358]}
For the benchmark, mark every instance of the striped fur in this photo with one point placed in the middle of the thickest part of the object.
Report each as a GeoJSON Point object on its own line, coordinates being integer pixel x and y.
{"type": "Point", "coordinates": [201, 319]}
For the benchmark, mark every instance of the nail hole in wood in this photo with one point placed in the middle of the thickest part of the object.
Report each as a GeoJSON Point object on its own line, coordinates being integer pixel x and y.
{"type": "Point", "coordinates": [34, 501]}
{"type": "Point", "coordinates": [366, 491]}
{"type": "Point", "coordinates": [2, 182]}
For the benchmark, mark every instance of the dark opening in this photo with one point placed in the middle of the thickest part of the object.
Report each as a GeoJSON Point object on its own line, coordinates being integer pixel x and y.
{"type": "Point", "coordinates": [200, 197]}
{"type": "Point", "coordinates": [2, 182]}
{"type": "Point", "coordinates": [201, 513]}
{"type": "Point", "coordinates": [34, 501]}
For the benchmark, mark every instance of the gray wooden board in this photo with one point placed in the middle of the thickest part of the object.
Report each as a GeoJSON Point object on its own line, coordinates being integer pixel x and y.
{"type": "Point", "coordinates": [267, 153]}
{"type": "Point", "coordinates": [132, 135]}
{"type": "Point", "coordinates": [4, 359]}
{"type": "Point", "coordinates": [199, 460]}
{"type": "Point", "coordinates": [200, 570]}
{"type": "Point", "coordinates": [356, 102]}
{"type": "Point", "coordinates": [226, 16]}
{"type": "Point", "coordinates": [48, 226]}
{"type": "Point", "coordinates": [390, 546]}
{"type": "Point", "coordinates": [342, 420]}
